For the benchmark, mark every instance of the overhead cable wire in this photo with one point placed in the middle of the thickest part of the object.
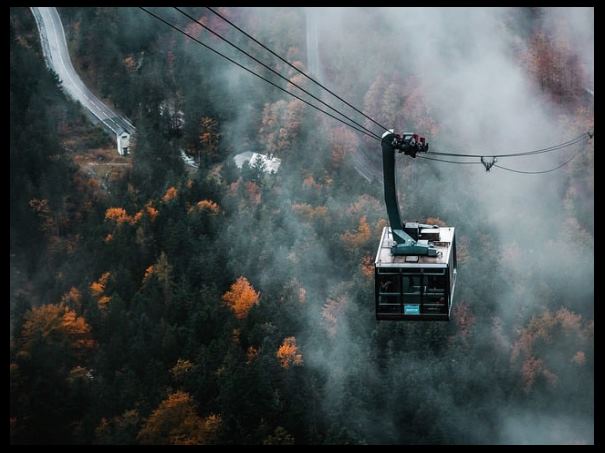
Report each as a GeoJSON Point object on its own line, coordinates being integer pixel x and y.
{"type": "Point", "coordinates": [538, 172]}
{"type": "Point", "coordinates": [294, 67]}
{"type": "Point", "coordinates": [235, 46]}
{"type": "Point", "coordinates": [585, 135]}
{"type": "Point", "coordinates": [506, 168]}
{"type": "Point", "coordinates": [449, 161]}
{"type": "Point", "coordinates": [254, 73]}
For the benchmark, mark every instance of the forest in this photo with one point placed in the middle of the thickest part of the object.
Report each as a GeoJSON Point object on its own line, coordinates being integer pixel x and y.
{"type": "Point", "coordinates": [218, 305]}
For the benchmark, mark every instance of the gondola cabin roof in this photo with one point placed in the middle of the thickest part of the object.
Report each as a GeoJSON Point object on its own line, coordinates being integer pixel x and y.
{"type": "Point", "coordinates": [384, 258]}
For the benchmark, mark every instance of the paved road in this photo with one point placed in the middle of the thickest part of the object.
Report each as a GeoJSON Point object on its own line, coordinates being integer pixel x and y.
{"type": "Point", "coordinates": [56, 55]}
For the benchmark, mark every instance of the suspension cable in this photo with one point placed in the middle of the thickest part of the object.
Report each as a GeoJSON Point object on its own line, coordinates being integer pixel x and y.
{"type": "Point", "coordinates": [294, 67]}
{"type": "Point", "coordinates": [273, 70]}
{"type": "Point", "coordinates": [254, 73]}
{"type": "Point", "coordinates": [506, 168]}
{"type": "Point", "coordinates": [539, 172]}
{"type": "Point", "coordinates": [527, 153]}
{"type": "Point", "coordinates": [449, 161]}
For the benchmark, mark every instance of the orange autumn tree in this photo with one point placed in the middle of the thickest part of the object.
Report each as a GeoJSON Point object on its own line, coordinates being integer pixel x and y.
{"type": "Point", "coordinates": [176, 422]}
{"type": "Point", "coordinates": [554, 66]}
{"type": "Point", "coordinates": [181, 369]}
{"type": "Point", "coordinates": [331, 312]}
{"type": "Point", "coordinates": [209, 137]}
{"type": "Point", "coordinates": [564, 330]}
{"type": "Point", "coordinates": [56, 324]}
{"type": "Point", "coordinates": [206, 206]}
{"type": "Point", "coordinates": [435, 221]}
{"type": "Point", "coordinates": [194, 29]}
{"type": "Point", "coordinates": [367, 266]}
{"type": "Point", "coordinates": [130, 63]}
{"type": "Point", "coordinates": [279, 437]}
{"type": "Point", "coordinates": [358, 238]}
{"type": "Point", "coordinates": [118, 215]}
{"type": "Point", "coordinates": [41, 208]}
{"type": "Point", "coordinates": [116, 429]}
{"type": "Point", "coordinates": [73, 299]}
{"type": "Point", "coordinates": [241, 297]}
{"type": "Point", "coordinates": [251, 354]}
{"type": "Point", "coordinates": [280, 125]}
{"type": "Point", "coordinates": [288, 354]}
{"type": "Point", "coordinates": [310, 213]}
{"type": "Point", "coordinates": [170, 194]}
{"type": "Point", "coordinates": [342, 143]}
{"type": "Point", "coordinates": [97, 289]}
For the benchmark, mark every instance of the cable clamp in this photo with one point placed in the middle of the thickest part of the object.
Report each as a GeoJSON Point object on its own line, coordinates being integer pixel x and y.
{"type": "Point", "coordinates": [488, 163]}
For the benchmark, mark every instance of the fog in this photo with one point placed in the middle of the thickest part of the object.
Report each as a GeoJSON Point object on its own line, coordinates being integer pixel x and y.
{"type": "Point", "coordinates": [485, 103]}
{"type": "Point", "coordinates": [482, 100]}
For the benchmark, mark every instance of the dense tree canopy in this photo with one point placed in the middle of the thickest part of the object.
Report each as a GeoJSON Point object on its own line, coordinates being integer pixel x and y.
{"type": "Point", "coordinates": [174, 305]}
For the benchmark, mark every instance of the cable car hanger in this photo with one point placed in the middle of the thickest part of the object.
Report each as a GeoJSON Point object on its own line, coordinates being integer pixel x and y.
{"type": "Point", "coordinates": [415, 266]}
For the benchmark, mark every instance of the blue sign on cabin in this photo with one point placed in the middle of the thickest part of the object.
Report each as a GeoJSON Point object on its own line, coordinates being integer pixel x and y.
{"type": "Point", "coordinates": [409, 309]}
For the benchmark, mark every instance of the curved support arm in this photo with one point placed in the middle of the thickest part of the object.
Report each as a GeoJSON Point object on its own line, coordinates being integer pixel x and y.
{"type": "Point", "coordinates": [390, 191]}
{"type": "Point", "coordinates": [405, 244]}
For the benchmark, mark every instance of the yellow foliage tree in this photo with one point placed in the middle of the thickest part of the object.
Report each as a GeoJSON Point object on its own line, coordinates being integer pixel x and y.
{"type": "Point", "coordinates": [288, 354]}
{"type": "Point", "coordinates": [241, 297]}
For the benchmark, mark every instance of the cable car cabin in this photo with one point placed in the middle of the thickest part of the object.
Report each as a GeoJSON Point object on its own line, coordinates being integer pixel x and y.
{"type": "Point", "coordinates": [412, 287]}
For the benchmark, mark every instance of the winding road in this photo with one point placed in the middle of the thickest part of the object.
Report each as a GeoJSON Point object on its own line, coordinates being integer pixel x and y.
{"type": "Point", "coordinates": [56, 56]}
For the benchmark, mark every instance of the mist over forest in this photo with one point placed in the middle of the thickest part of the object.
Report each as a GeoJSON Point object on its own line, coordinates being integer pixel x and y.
{"type": "Point", "coordinates": [156, 303]}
